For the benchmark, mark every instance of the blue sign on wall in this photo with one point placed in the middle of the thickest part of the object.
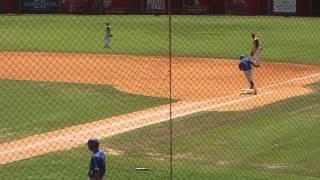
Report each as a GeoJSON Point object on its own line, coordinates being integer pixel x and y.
{"type": "Point", "coordinates": [36, 5]}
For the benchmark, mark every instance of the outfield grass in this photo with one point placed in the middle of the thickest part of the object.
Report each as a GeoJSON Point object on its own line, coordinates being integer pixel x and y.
{"type": "Point", "coordinates": [294, 39]}
{"type": "Point", "coordinates": [29, 107]}
{"type": "Point", "coordinates": [278, 141]}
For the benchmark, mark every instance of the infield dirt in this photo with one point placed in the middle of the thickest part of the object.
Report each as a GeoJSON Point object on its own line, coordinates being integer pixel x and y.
{"type": "Point", "coordinates": [200, 84]}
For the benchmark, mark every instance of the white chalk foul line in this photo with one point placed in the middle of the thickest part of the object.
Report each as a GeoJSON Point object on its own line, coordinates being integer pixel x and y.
{"type": "Point", "coordinates": [291, 80]}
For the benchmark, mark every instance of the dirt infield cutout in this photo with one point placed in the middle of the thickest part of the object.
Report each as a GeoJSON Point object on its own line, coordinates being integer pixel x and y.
{"type": "Point", "coordinates": [200, 84]}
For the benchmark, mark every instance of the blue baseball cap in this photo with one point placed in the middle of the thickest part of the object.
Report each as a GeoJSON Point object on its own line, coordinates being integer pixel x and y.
{"type": "Point", "coordinates": [241, 57]}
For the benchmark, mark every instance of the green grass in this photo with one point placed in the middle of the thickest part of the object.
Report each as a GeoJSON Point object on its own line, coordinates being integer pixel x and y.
{"type": "Point", "coordinates": [29, 107]}
{"type": "Point", "coordinates": [278, 141]}
{"type": "Point", "coordinates": [73, 164]}
{"type": "Point", "coordinates": [58, 166]}
{"type": "Point", "coordinates": [293, 39]}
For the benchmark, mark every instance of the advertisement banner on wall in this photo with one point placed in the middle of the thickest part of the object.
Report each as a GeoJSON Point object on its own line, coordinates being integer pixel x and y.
{"type": "Point", "coordinates": [284, 6]}
{"type": "Point", "coordinates": [40, 5]}
{"type": "Point", "coordinates": [156, 5]}
{"type": "Point", "coordinates": [107, 4]}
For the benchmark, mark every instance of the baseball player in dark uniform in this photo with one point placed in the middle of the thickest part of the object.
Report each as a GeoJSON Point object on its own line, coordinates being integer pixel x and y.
{"type": "Point", "coordinates": [97, 166]}
{"type": "Point", "coordinates": [245, 65]}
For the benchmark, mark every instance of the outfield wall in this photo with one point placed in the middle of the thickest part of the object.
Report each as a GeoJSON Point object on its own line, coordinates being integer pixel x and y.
{"type": "Point", "coordinates": [239, 7]}
{"type": "Point", "coordinates": [9, 6]}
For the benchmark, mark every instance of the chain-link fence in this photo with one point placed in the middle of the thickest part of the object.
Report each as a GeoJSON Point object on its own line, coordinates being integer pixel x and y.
{"type": "Point", "coordinates": [166, 96]}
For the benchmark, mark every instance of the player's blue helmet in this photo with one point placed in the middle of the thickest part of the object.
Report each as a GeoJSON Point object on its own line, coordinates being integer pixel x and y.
{"type": "Point", "coordinates": [241, 57]}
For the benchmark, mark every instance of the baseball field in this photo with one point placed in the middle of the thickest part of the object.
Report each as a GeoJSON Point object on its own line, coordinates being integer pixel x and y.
{"type": "Point", "coordinates": [59, 87]}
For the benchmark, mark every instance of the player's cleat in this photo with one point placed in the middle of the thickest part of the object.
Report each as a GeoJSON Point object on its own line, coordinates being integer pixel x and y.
{"type": "Point", "coordinates": [255, 91]}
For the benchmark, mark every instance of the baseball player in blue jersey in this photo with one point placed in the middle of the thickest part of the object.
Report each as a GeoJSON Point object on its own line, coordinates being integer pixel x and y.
{"type": "Point", "coordinates": [245, 65]}
{"type": "Point", "coordinates": [97, 166]}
